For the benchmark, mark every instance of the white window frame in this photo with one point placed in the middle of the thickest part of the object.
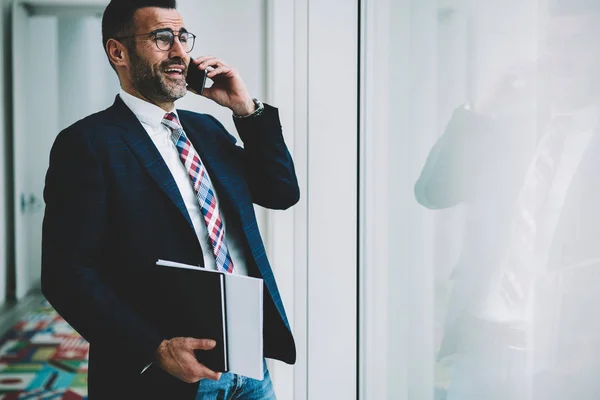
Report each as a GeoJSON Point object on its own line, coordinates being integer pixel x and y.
{"type": "Point", "coordinates": [396, 291]}
{"type": "Point", "coordinates": [313, 79]}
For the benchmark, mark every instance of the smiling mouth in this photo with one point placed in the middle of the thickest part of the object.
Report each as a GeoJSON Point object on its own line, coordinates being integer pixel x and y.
{"type": "Point", "coordinates": [174, 72]}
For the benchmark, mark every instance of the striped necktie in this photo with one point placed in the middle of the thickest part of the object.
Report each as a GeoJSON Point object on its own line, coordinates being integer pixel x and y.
{"type": "Point", "coordinates": [204, 192]}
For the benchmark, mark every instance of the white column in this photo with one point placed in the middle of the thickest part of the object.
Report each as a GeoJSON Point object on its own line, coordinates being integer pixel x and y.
{"type": "Point", "coordinates": [312, 77]}
{"type": "Point", "coordinates": [332, 198]}
{"type": "Point", "coordinates": [374, 202]}
{"type": "Point", "coordinates": [287, 74]}
{"type": "Point", "coordinates": [413, 130]}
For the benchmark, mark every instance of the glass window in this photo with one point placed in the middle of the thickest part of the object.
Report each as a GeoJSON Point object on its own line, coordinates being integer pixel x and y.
{"type": "Point", "coordinates": [490, 159]}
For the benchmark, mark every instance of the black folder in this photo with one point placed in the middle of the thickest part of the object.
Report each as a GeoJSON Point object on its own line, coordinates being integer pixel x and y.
{"type": "Point", "coordinates": [195, 307]}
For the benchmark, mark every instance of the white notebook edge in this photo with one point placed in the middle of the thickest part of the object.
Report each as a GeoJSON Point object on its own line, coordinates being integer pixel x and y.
{"type": "Point", "coordinates": [173, 264]}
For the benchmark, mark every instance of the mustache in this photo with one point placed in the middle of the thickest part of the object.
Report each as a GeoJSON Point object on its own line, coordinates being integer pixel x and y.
{"type": "Point", "coordinates": [174, 61]}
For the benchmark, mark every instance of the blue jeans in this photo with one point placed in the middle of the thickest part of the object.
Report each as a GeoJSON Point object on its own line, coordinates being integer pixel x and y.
{"type": "Point", "coordinates": [232, 386]}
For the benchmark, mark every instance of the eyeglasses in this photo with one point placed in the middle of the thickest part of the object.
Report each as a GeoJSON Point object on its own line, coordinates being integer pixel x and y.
{"type": "Point", "coordinates": [165, 38]}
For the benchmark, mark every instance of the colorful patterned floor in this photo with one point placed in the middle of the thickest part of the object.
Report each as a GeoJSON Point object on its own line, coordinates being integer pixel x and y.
{"type": "Point", "coordinates": [42, 357]}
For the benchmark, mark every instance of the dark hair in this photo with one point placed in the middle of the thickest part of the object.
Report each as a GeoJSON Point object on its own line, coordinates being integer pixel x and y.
{"type": "Point", "coordinates": [117, 19]}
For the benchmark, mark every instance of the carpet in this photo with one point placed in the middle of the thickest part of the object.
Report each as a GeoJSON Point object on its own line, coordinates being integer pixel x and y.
{"type": "Point", "coordinates": [42, 357]}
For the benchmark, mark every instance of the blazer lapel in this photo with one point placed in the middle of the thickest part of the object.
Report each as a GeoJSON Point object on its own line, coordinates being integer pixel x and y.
{"type": "Point", "coordinates": [148, 155]}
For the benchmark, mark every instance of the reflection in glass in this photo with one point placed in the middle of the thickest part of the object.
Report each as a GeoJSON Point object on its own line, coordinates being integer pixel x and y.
{"type": "Point", "coordinates": [521, 158]}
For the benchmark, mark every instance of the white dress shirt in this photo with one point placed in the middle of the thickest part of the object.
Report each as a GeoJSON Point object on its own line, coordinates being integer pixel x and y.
{"type": "Point", "coordinates": [150, 116]}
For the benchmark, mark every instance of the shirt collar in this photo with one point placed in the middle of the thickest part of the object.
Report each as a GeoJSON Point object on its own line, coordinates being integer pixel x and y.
{"type": "Point", "coordinates": [147, 113]}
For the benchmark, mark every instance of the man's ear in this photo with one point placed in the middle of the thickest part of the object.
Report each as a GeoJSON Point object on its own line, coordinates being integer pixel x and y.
{"type": "Point", "coordinates": [117, 53]}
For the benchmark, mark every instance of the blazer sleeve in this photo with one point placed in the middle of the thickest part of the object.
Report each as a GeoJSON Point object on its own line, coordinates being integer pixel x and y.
{"type": "Point", "coordinates": [458, 161]}
{"type": "Point", "coordinates": [73, 254]}
{"type": "Point", "coordinates": [270, 171]}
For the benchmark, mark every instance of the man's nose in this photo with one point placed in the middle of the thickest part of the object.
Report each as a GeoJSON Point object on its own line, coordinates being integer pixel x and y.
{"type": "Point", "coordinates": [177, 50]}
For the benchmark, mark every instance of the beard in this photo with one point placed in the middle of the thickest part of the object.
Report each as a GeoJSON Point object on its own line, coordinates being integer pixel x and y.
{"type": "Point", "coordinates": [151, 82]}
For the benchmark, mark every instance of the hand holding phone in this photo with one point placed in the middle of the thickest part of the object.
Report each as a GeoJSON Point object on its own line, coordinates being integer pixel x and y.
{"type": "Point", "coordinates": [227, 89]}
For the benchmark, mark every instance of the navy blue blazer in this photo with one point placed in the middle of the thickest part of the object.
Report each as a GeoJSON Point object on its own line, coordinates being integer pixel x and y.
{"type": "Point", "coordinates": [113, 209]}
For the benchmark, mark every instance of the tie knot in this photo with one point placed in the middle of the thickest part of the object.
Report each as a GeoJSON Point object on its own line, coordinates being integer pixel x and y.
{"type": "Point", "coordinates": [171, 121]}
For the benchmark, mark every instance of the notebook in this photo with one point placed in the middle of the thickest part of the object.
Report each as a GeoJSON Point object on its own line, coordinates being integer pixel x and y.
{"type": "Point", "coordinates": [227, 308]}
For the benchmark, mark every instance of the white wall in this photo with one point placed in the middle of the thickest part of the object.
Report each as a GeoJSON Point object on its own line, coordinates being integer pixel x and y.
{"type": "Point", "coordinates": [89, 86]}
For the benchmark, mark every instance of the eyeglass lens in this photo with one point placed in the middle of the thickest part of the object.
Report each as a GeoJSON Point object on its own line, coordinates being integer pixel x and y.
{"type": "Point", "coordinates": [165, 40]}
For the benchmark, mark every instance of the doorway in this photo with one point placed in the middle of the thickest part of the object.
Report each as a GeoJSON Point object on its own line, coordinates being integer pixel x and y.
{"type": "Point", "coordinates": [60, 75]}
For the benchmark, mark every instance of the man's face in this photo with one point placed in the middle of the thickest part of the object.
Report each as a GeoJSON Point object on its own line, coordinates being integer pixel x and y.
{"type": "Point", "coordinates": [571, 61]}
{"type": "Point", "coordinates": [157, 74]}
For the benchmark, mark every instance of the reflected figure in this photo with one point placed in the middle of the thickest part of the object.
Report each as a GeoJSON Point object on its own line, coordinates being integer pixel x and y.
{"type": "Point", "coordinates": [525, 160]}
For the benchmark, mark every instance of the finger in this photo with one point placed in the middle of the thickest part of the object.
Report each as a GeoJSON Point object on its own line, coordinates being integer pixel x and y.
{"type": "Point", "coordinates": [211, 62]}
{"type": "Point", "coordinates": [197, 371]}
{"type": "Point", "coordinates": [200, 371]}
{"type": "Point", "coordinates": [207, 373]}
{"type": "Point", "coordinates": [198, 62]}
{"type": "Point", "coordinates": [201, 344]}
{"type": "Point", "coordinates": [222, 70]}
{"type": "Point", "coordinates": [204, 58]}
{"type": "Point", "coordinates": [207, 59]}
{"type": "Point", "coordinates": [197, 66]}
{"type": "Point", "coordinates": [194, 64]}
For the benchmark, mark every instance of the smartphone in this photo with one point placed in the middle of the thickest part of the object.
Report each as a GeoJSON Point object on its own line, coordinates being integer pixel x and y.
{"type": "Point", "coordinates": [196, 78]}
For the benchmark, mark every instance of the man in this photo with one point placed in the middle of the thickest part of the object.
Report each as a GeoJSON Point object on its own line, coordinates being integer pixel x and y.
{"type": "Point", "coordinates": [141, 181]}
{"type": "Point", "coordinates": [525, 162]}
